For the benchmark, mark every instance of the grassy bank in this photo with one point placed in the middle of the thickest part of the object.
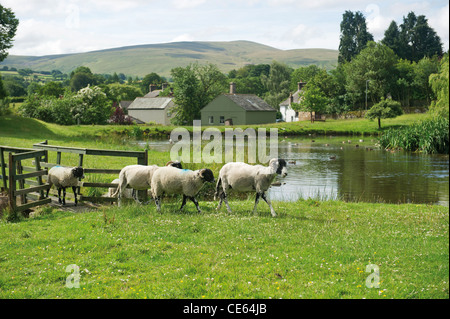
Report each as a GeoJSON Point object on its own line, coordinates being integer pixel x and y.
{"type": "Point", "coordinates": [311, 250]}
{"type": "Point", "coordinates": [35, 130]}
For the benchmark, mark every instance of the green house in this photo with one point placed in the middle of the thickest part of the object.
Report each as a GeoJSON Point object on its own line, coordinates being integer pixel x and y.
{"type": "Point", "coordinates": [237, 109]}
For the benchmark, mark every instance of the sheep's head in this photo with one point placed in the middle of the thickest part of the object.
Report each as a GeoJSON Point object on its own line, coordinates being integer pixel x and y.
{"type": "Point", "coordinates": [207, 175]}
{"type": "Point", "coordinates": [78, 172]}
{"type": "Point", "coordinates": [279, 165]}
{"type": "Point", "coordinates": [174, 164]}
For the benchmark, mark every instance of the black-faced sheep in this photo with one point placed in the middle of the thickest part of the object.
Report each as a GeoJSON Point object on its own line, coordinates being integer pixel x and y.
{"type": "Point", "coordinates": [138, 177]}
{"type": "Point", "coordinates": [168, 180]}
{"type": "Point", "coordinates": [63, 177]}
{"type": "Point", "coordinates": [242, 177]}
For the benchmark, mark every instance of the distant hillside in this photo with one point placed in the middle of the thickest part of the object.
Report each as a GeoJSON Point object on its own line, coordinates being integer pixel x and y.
{"type": "Point", "coordinates": [161, 58]}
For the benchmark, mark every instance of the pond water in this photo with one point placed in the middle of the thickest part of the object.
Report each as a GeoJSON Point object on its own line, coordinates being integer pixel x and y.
{"type": "Point", "coordinates": [327, 168]}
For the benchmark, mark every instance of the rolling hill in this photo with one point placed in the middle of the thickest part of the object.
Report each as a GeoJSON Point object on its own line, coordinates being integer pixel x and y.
{"type": "Point", "coordinates": [140, 60]}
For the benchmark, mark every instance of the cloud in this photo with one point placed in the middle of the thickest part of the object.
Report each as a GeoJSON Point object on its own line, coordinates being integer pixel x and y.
{"type": "Point", "coordinates": [187, 4]}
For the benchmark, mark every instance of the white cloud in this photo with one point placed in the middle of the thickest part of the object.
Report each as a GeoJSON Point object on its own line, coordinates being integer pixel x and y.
{"type": "Point", "coordinates": [187, 4]}
{"type": "Point", "coordinates": [440, 23]}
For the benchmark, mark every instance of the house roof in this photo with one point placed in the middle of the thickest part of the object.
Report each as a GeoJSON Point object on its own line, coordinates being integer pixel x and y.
{"type": "Point", "coordinates": [296, 99]}
{"type": "Point", "coordinates": [125, 104]}
{"type": "Point", "coordinates": [154, 93]}
{"type": "Point", "coordinates": [296, 96]}
{"type": "Point", "coordinates": [147, 103]}
{"type": "Point", "coordinates": [250, 102]}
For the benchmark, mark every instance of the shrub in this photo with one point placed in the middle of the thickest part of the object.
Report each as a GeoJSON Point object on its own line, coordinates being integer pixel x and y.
{"type": "Point", "coordinates": [384, 109]}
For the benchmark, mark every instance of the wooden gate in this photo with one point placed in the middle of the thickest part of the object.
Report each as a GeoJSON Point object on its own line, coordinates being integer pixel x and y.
{"type": "Point", "coordinates": [17, 177]}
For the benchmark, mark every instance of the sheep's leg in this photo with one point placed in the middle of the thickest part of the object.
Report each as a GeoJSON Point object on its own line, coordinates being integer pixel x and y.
{"type": "Point", "coordinates": [272, 211]}
{"type": "Point", "coordinates": [222, 194]}
{"type": "Point", "coordinates": [158, 203]}
{"type": "Point", "coordinates": [226, 202]}
{"type": "Point", "coordinates": [184, 202]}
{"type": "Point", "coordinates": [134, 194]}
{"type": "Point", "coordinates": [196, 203]}
{"type": "Point", "coordinates": [75, 193]}
{"type": "Point", "coordinates": [59, 196]}
{"type": "Point", "coordinates": [258, 195]}
{"type": "Point", "coordinates": [64, 196]}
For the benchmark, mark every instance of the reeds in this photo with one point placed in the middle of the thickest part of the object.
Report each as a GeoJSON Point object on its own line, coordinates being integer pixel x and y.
{"type": "Point", "coordinates": [430, 136]}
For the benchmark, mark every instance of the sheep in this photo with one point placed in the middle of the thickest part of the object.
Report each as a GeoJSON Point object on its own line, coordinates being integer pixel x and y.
{"type": "Point", "coordinates": [63, 177]}
{"type": "Point", "coordinates": [243, 177]}
{"type": "Point", "coordinates": [138, 177]}
{"type": "Point", "coordinates": [128, 193]}
{"type": "Point", "coordinates": [184, 182]}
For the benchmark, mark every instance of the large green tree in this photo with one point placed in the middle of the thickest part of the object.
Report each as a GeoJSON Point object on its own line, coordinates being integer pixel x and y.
{"type": "Point", "coordinates": [354, 35]}
{"type": "Point", "coordinates": [312, 100]}
{"type": "Point", "coordinates": [374, 67]}
{"type": "Point", "coordinates": [194, 87]}
{"type": "Point", "coordinates": [8, 28]}
{"type": "Point", "coordinates": [414, 39]}
{"type": "Point", "coordinates": [277, 83]}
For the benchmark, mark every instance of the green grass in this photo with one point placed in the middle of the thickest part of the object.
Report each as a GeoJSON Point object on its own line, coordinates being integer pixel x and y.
{"type": "Point", "coordinates": [311, 250]}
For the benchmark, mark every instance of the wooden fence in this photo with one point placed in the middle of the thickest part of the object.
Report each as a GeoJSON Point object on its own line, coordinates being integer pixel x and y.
{"type": "Point", "coordinates": [14, 175]}
{"type": "Point", "coordinates": [20, 175]}
{"type": "Point", "coordinates": [141, 157]}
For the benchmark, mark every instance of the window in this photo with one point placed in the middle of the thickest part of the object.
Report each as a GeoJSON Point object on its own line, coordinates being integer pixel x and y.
{"type": "Point", "coordinates": [222, 119]}
{"type": "Point", "coordinates": [211, 120]}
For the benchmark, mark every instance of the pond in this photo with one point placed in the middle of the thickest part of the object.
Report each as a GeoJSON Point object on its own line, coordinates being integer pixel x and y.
{"type": "Point", "coordinates": [327, 168]}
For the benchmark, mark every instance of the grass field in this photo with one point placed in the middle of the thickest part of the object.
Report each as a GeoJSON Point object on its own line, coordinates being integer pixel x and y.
{"type": "Point", "coordinates": [312, 249]}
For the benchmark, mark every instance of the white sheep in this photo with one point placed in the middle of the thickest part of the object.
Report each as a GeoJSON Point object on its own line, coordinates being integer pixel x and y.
{"type": "Point", "coordinates": [63, 177]}
{"type": "Point", "coordinates": [242, 177]}
{"type": "Point", "coordinates": [138, 177]}
{"type": "Point", "coordinates": [128, 193]}
{"type": "Point", "coordinates": [168, 180]}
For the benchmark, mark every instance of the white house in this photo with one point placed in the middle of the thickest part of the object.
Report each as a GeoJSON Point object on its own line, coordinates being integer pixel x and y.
{"type": "Point", "coordinates": [287, 113]}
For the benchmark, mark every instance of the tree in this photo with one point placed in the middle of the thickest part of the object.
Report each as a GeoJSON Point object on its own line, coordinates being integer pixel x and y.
{"type": "Point", "coordinates": [81, 77]}
{"type": "Point", "coordinates": [194, 87]}
{"type": "Point", "coordinates": [416, 39]}
{"type": "Point", "coordinates": [93, 107]}
{"type": "Point", "coordinates": [384, 109]}
{"type": "Point", "coordinates": [354, 36]}
{"type": "Point", "coordinates": [51, 89]}
{"type": "Point", "coordinates": [8, 28]}
{"type": "Point", "coordinates": [277, 83]}
{"type": "Point", "coordinates": [440, 85]}
{"type": "Point", "coordinates": [312, 99]}
{"type": "Point", "coordinates": [152, 78]}
{"type": "Point", "coordinates": [392, 38]}
{"type": "Point", "coordinates": [375, 64]}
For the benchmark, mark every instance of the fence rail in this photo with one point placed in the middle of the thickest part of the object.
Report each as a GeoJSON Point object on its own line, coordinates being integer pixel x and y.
{"type": "Point", "coordinates": [25, 182]}
{"type": "Point", "coordinates": [141, 157]}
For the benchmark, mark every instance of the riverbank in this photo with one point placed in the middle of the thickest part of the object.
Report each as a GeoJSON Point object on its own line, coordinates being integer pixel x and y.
{"type": "Point", "coordinates": [311, 249]}
{"type": "Point", "coordinates": [19, 127]}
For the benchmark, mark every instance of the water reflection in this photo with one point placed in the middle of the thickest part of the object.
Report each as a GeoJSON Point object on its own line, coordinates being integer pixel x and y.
{"type": "Point", "coordinates": [330, 169]}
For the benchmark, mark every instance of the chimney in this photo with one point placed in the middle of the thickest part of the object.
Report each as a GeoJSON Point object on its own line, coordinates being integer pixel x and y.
{"type": "Point", "coordinates": [232, 88]}
{"type": "Point", "coordinates": [301, 85]}
{"type": "Point", "coordinates": [291, 98]}
{"type": "Point", "coordinates": [151, 87]}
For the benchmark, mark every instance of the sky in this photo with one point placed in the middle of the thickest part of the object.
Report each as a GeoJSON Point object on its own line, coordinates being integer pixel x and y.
{"type": "Point", "coordinates": [70, 26]}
